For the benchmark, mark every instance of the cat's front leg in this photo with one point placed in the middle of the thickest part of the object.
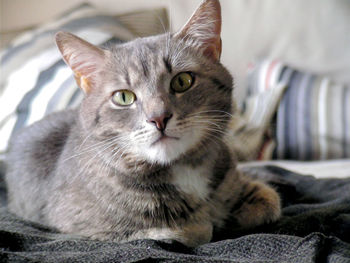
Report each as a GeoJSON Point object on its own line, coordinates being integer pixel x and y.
{"type": "Point", "coordinates": [256, 204]}
{"type": "Point", "coordinates": [191, 234]}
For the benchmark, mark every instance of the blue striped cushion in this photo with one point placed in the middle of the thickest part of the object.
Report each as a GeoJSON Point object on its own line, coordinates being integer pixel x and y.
{"type": "Point", "coordinates": [35, 81]}
{"type": "Point", "coordinates": [312, 114]}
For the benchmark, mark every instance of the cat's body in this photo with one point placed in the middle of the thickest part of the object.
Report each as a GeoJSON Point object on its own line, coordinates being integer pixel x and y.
{"type": "Point", "coordinates": [143, 156]}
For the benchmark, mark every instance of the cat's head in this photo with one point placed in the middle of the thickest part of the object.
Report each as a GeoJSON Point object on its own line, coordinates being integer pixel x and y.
{"type": "Point", "coordinates": [156, 98]}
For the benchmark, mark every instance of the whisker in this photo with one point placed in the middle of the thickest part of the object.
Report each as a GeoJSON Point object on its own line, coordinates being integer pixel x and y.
{"type": "Point", "coordinates": [208, 122]}
{"type": "Point", "coordinates": [212, 138]}
{"type": "Point", "coordinates": [122, 148]}
{"type": "Point", "coordinates": [95, 146]}
{"type": "Point", "coordinates": [112, 158]}
{"type": "Point", "coordinates": [212, 111]}
{"type": "Point", "coordinates": [99, 152]}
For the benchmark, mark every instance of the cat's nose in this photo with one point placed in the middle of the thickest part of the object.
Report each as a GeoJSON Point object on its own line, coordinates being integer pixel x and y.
{"type": "Point", "coordinates": [160, 121]}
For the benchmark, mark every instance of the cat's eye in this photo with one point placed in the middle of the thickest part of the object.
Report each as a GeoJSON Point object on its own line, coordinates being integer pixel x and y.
{"type": "Point", "coordinates": [123, 97]}
{"type": "Point", "coordinates": [182, 82]}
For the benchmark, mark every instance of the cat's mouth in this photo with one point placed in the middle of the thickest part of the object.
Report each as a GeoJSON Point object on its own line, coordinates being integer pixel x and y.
{"type": "Point", "coordinates": [163, 138]}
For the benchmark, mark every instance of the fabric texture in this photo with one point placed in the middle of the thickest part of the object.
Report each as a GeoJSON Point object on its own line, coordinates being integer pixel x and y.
{"type": "Point", "coordinates": [315, 227]}
{"type": "Point", "coordinates": [302, 116]}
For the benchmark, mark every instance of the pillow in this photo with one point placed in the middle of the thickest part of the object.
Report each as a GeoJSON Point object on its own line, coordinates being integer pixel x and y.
{"type": "Point", "coordinates": [35, 80]}
{"type": "Point", "coordinates": [307, 116]}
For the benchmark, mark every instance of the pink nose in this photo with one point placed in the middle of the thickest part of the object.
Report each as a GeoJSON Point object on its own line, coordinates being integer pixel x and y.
{"type": "Point", "coordinates": [160, 121]}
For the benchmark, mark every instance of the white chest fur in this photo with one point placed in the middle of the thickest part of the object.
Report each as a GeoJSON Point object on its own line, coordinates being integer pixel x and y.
{"type": "Point", "coordinates": [193, 181]}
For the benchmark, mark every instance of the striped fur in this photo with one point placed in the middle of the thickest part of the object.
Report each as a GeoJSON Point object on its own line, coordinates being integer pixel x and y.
{"type": "Point", "coordinates": [106, 172]}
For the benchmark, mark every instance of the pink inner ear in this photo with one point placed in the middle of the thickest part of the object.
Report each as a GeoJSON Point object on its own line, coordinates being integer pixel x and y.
{"type": "Point", "coordinates": [204, 27]}
{"type": "Point", "coordinates": [84, 64]}
{"type": "Point", "coordinates": [214, 51]}
{"type": "Point", "coordinates": [82, 57]}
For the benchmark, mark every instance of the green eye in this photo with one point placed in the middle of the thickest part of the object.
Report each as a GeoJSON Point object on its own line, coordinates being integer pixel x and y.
{"type": "Point", "coordinates": [123, 97]}
{"type": "Point", "coordinates": [181, 82]}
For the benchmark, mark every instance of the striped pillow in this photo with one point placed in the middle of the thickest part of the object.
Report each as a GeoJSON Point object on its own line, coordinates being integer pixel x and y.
{"type": "Point", "coordinates": [35, 81]}
{"type": "Point", "coordinates": [309, 115]}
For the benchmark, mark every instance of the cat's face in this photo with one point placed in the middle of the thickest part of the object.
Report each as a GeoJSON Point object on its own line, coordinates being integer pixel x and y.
{"type": "Point", "coordinates": [156, 98]}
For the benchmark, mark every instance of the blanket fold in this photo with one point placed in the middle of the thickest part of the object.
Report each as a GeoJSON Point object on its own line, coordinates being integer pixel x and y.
{"type": "Point", "coordinates": [315, 227]}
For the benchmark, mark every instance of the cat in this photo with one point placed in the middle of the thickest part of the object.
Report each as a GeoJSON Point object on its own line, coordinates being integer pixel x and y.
{"type": "Point", "coordinates": [144, 155]}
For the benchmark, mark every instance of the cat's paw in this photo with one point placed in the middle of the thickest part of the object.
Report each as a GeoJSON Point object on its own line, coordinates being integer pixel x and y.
{"type": "Point", "coordinates": [193, 235]}
{"type": "Point", "coordinates": [259, 204]}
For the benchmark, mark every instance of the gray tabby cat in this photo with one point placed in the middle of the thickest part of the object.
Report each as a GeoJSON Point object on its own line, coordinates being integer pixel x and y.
{"type": "Point", "coordinates": [144, 155]}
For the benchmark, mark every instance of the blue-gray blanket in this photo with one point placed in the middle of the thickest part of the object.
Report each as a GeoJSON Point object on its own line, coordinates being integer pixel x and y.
{"type": "Point", "coordinates": [315, 227]}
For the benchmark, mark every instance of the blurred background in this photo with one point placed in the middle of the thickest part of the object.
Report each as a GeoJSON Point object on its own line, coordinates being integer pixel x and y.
{"type": "Point", "coordinates": [320, 29]}
{"type": "Point", "coordinates": [311, 35]}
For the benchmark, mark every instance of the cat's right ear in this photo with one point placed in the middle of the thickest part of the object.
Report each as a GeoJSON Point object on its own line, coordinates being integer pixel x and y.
{"type": "Point", "coordinates": [82, 57]}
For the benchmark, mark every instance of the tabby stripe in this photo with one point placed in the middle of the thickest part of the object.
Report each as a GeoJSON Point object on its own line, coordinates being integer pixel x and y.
{"type": "Point", "coordinates": [220, 170]}
{"type": "Point", "coordinates": [250, 195]}
{"type": "Point", "coordinates": [242, 198]}
{"type": "Point", "coordinates": [144, 66]}
{"type": "Point", "coordinates": [220, 85]}
{"type": "Point", "coordinates": [218, 178]}
{"type": "Point", "coordinates": [188, 207]}
{"type": "Point", "coordinates": [174, 207]}
{"type": "Point", "coordinates": [98, 111]}
{"type": "Point", "coordinates": [176, 210]}
{"type": "Point", "coordinates": [166, 213]}
{"type": "Point", "coordinates": [167, 64]}
{"type": "Point", "coordinates": [155, 189]}
{"type": "Point", "coordinates": [127, 77]}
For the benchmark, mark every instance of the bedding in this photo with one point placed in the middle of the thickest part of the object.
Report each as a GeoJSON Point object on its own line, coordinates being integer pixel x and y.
{"type": "Point", "coordinates": [315, 227]}
{"type": "Point", "coordinates": [294, 115]}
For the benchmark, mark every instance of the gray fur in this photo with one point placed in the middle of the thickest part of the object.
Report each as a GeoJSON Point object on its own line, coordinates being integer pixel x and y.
{"type": "Point", "coordinates": [88, 171]}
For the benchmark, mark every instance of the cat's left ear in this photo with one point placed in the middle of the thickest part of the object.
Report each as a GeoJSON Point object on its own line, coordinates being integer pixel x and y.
{"type": "Point", "coordinates": [204, 28]}
{"type": "Point", "coordinates": [82, 57]}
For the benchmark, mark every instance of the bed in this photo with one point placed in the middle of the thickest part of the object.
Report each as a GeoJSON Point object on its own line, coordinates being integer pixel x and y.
{"type": "Point", "coordinates": [315, 226]}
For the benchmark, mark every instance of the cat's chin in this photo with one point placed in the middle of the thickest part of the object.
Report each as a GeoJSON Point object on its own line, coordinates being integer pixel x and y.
{"type": "Point", "coordinates": [170, 147]}
{"type": "Point", "coordinates": [164, 150]}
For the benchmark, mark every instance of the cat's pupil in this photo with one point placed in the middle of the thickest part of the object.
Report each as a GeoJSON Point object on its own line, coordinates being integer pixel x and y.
{"type": "Point", "coordinates": [123, 96]}
{"type": "Point", "coordinates": [181, 82]}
